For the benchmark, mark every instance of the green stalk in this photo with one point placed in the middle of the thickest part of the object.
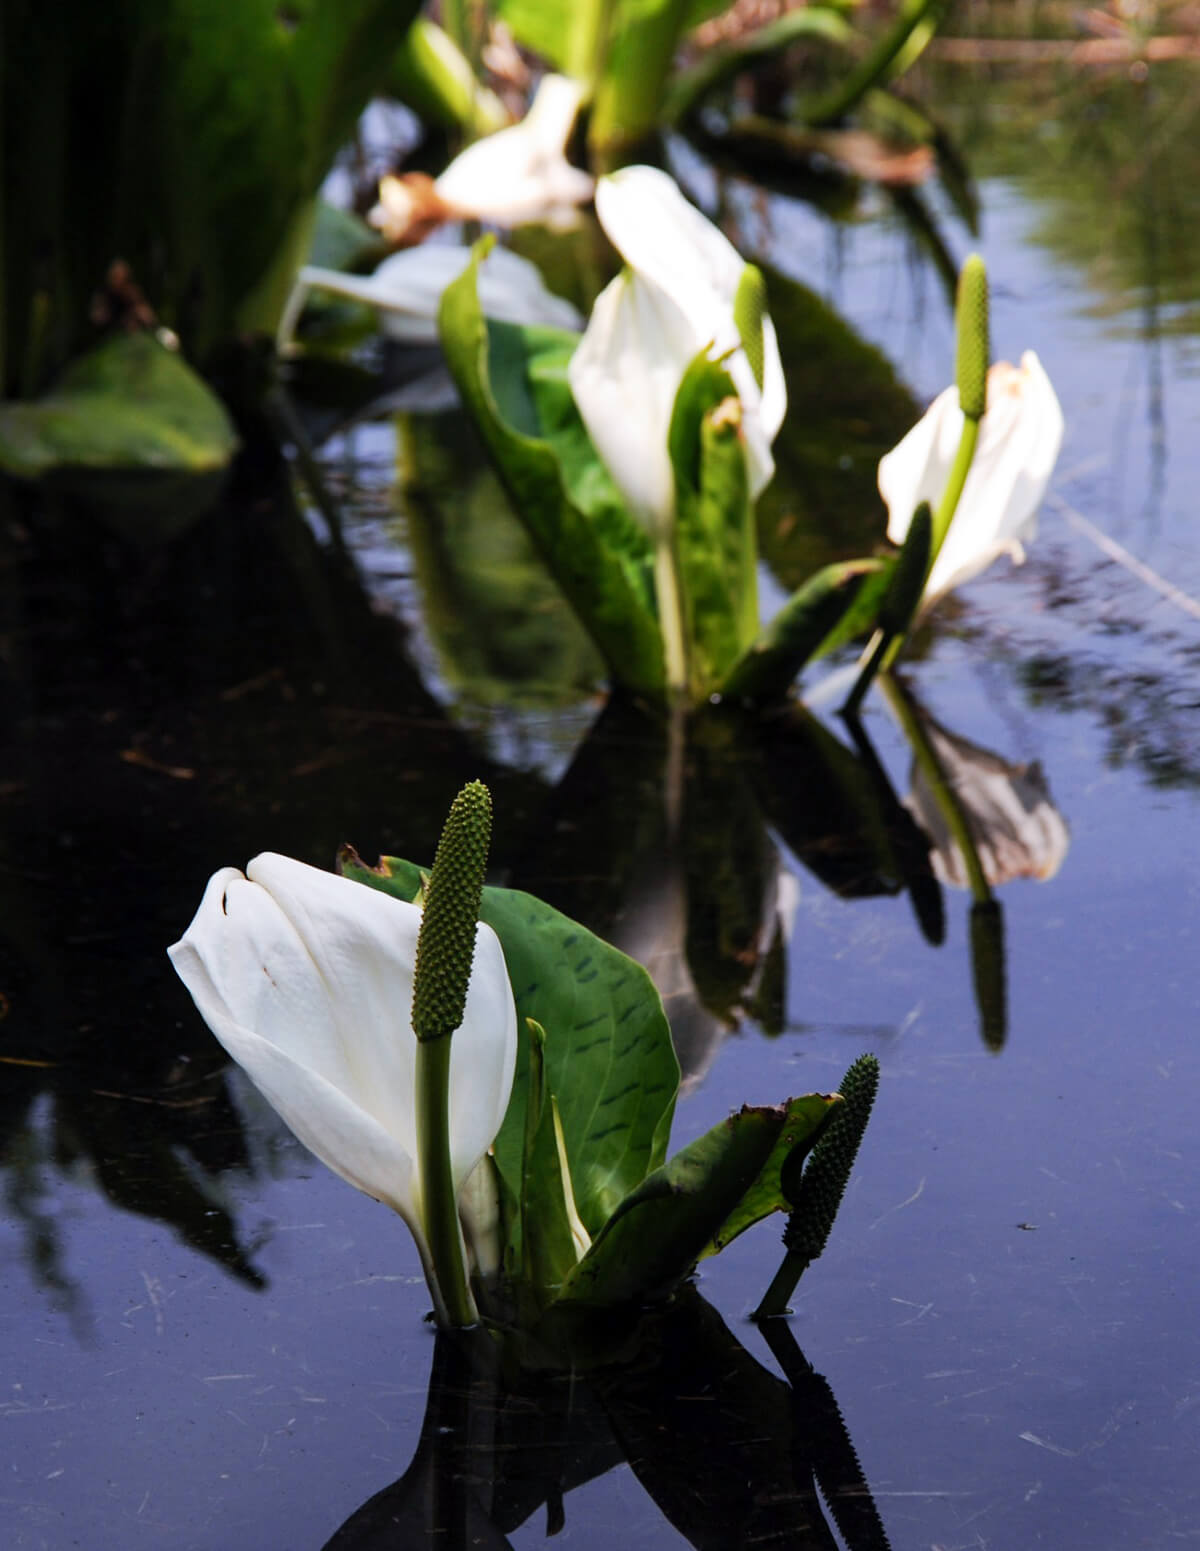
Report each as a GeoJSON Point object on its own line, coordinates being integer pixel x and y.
{"type": "Point", "coordinates": [445, 951]}
{"type": "Point", "coordinates": [943, 792]}
{"type": "Point", "coordinates": [439, 1207]}
{"type": "Point", "coordinates": [952, 494]}
{"type": "Point", "coordinates": [670, 616]}
{"type": "Point", "coordinates": [587, 49]}
{"type": "Point", "coordinates": [943, 517]}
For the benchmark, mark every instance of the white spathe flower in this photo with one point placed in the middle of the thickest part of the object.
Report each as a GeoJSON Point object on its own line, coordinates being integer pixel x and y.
{"type": "Point", "coordinates": [520, 174]}
{"type": "Point", "coordinates": [407, 288]}
{"type": "Point", "coordinates": [674, 299]}
{"type": "Point", "coordinates": [1019, 438]}
{"type": "Point", "coordinates": [306, 978]}
{"type": "Point", "coordinates": [1017, 830]}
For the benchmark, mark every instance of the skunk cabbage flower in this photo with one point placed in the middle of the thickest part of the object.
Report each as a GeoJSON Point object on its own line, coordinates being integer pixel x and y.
{"type": "Point", "coordinates": [406, 290]}
{"type": "Point", "coordinates": [516, 176]}
{"type": "Point", "coordinates": [306, 978]}
{"type": "Point", "coordinates": [1019, 437]}
{"type": "Point", "coordinates": [1017, 830]}
{"type": "Point", "coordinates": [674, 299]}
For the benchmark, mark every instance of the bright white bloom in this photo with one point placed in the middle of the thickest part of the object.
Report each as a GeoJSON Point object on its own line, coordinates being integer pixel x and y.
{"type": "Point", "coordinates": [407, 289]}
{"type": "Point", "coordinates": [1017, 830]}
{"type": "Point", "coordinates": [306, 978]}
{"type": "Point", "coordinates": [675, 299]}
{"type": "Point", "coordinates": [520, 174]}
{"type": "Point", "coordinates": [1019, 438]}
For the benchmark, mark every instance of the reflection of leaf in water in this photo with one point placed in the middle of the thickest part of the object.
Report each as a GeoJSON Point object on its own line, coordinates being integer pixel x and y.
{"type": "Point", "coordinates": [503, 632]}
{"type": "Point", "coordinates": [731, 1454]}
{"type": "Point", "coordinates": [846, 408]}
{"type": "Point", "coordinates": [1112, 164]}
{"type": "Point", "coordinates": [131, 427]}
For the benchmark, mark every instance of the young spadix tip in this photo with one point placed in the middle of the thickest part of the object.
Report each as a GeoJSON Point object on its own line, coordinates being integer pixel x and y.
{"type": "Point", "coordinates": [974, 344]}
{"type": "Point", "coordinates": [446, 942]}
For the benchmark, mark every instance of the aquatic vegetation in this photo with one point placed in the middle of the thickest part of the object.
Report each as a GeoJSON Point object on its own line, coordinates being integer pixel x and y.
{"type": "Point", "coordinates": [1019, 437]}
{"type": "Point", "coordinates": [305, 977]}
{"type": "Point", "coordinates": [518, 175]}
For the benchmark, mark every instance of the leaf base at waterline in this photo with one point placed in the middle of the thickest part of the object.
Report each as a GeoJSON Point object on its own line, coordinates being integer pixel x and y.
{"type": "Point", "coordinates": [592, 1214]}
{"type": "Point", "coordinates": [131, 428]}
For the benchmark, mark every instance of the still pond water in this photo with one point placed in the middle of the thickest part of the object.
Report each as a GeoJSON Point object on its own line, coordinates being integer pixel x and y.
{"type": "Point", "coordinates": [207, 1343]}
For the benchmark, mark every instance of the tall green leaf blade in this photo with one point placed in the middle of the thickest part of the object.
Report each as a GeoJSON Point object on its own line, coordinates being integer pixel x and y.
{"type": "Point", "coordinates": [599, 581]}
{"type": "Point", "coordinates": [715, 541]}
{"type": "Point", "coordinates": [609, 1061]}
{"type": "Point", "coordinates": [826, 610]}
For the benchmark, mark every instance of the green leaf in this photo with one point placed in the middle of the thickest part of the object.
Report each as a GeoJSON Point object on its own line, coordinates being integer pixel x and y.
{"type": "Point", "coordinates": [190, 139]}
{"type": "Point", "coordinates": [513, 381]}
{"type": "Point", "coordinates": [803, 629]}
{"type": "Point", "coordinates": [609, 1060]}
{"type": "Point", "coordinates": [719, 1184]}
{"type": "Point", "coordinates": [715, 542]}
{"type": "Point", "coordinates": [720, 63]}
{"type": "Point", "coordinates": [548, 1250]}
{"type": "Point", "coordinates": [130, 404]}
{"type": "Point", "coordinates": [432, 76]}
{"type": "Point", "coordinates": [805, 1122]}
{"type": "Point", "coordinates": [343, 240]}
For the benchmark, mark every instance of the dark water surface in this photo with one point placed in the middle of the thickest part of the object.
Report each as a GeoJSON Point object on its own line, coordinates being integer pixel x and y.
{"type": "Point", "coordinates": [207, 1343]}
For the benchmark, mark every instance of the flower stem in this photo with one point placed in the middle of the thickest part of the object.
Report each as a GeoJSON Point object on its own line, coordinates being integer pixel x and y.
{"type": "Point", "coordinates": [670, 616]}
{"type": "Point", "coordinates": [948, 505]}
{"type": "Point", "coordinates": [439, 1207]}
{"type": "Point", "coordinates": [445, 952]}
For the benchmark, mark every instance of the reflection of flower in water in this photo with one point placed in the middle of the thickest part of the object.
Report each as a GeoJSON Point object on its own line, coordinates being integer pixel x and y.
{"type": "Point", "coordinates": [1017, 830]}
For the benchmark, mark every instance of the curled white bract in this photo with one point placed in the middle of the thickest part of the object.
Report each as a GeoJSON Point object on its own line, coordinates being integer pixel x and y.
{"type": "Point", "coordinates": [521, 174]}
{"type": "Point", "coordinates": [1019, 439]}
{"type": "Point", "coordinates": [674, 299]}
{"type": "Point", "coordinates": [306, 978]}
{"type": "Point", "coordinates": [406, 290]}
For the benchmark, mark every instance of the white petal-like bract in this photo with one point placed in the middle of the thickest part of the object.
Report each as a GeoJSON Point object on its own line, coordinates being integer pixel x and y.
{"type": "Point", "coordinates": [674, 300]}
{"type": "Point", "coordinates": [306, 978]}
{"type": "Point", "coordinates": [1019, 438]}
{"type": "Point", "coordinates": [407, 290]}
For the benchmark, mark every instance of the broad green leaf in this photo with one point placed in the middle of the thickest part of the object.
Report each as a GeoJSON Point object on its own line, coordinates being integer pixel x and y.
{"type": "Point", "coordinates": [715, 542]}
{"type": "Point", "coordinates": [805, 1122]}
{"type": "Point", "coordinates": [510, 379]}
{"type": "Point", "coordinates": [816, 616]}
{"type": "Point", "coordinates": [663, 1227]}
{"type": "Point", "coordinates": [610, 1064]}
{"type": "Point", "coordinates": [130, 404]}
{"type": "Point", "coordinates": [186, 137]}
